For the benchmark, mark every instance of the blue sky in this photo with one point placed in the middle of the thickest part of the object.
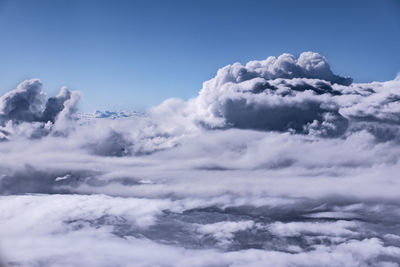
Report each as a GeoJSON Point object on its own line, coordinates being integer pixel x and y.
{"type": "Point", "coordinates": [134, 54]}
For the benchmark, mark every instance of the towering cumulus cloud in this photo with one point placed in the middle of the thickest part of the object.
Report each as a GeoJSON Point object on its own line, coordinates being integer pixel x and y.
{"type": "Point", "coordinates": [279, 162]}
{"type": "Point", "coordinates": [29, 104]}
{"type": "Point", "coordinates": [289, 94]}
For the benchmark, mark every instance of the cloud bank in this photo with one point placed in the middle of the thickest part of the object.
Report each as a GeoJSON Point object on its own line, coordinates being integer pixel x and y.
{"type": "Point", "coordinates": [279, 162]}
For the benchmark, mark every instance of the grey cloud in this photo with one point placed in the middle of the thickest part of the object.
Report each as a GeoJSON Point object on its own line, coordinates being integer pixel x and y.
{"type": "Point", "coordinates": [29, 104]}
{"type": "Point", "coordinates": [55, 105]}
{"type": "Point", "coordinates": [297, 95]}
{"type": "Point", "coordinates": [25, 103]}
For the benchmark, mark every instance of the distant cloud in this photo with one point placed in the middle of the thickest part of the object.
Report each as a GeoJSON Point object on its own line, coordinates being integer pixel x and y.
{"type": "Point", "coordinates": [288, 94]}
{"type": "Point", "coordinates": [25, 103]}
{"type": "Point", "coordinates": [29, 104]}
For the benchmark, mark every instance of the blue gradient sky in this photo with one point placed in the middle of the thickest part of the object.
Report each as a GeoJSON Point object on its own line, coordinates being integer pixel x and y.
{"type": "Point", "coordinates": [134, 54]}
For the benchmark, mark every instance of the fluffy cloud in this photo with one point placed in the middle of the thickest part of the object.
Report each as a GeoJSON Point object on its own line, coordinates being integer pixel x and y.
{"type": "Point", "coordinates": [308, 65]}
{"type": "Point", "coordinates": [97, 230]}
{"type": "Point", "coordinates": [302, 95]}
{"type": "Point", "coordinates": [279, 161]}
{"type": "Point", "coordinates": [29, 104]}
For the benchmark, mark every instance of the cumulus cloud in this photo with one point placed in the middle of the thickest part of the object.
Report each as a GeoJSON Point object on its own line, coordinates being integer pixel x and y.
{"type": "Point", "coordinates": [308, 65]}
{"type": "Point", "coordinates": [29, 104]}
{"type": "Point", "coordinates": [276, 94]}
{"type": "Point", "coordinates": [279, 161]}
{"type": "Point", "coordinates": [288, 94]}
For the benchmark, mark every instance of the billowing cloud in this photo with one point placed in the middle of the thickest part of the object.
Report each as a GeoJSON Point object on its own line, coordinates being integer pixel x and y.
{"type": "Point", "coordinates": [279, 161]}
{"type": "Point", "coordinates": [289, 94]}
{"type": "Point", "coordinates": [29, 104]}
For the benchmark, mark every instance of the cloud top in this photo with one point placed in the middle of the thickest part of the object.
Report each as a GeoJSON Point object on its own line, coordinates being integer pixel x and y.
{"type": "Point", "coordinates": [298, 95]}
{"type": "Point", "coordinates": [28, 108]}
{"type": "Point", "coordinates": [308, 65]}
{"type": "Point", "coordinates": [28, 103]}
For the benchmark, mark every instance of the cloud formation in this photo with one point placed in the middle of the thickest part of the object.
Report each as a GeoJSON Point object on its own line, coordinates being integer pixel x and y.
{"type": "Point", "coordinates": [29, 104]}
{"type": "Point", "coordinates": [279, 161]}
{"type": "Point", "coordinates": [289, 94]}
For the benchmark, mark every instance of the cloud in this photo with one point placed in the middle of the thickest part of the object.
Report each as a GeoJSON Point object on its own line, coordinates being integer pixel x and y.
{"type": "Point", "coordinates": [99, 230]}
{"type": "Point", "coordinates": [308, 65]}
{"type": "Point", "coordinates": [300, 95]}
{"type": "Point", "coordinates": [337, 228]}
{"type": "Point", "coordinates": [284, 94]}
{"type": "Point", "coordinates": [28, 104]}
{"type": "Point", "coordinates": [279, 161]}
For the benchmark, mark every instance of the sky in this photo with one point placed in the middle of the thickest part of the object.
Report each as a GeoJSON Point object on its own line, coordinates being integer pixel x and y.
{"type": "Point", "coordinates": [281, 160]}
{"type": "Point", "coordinates": [132, 55]}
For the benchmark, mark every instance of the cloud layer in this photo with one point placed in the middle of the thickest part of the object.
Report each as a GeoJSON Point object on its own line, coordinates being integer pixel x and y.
{"type": "Point", "coordinates": [278, 162]}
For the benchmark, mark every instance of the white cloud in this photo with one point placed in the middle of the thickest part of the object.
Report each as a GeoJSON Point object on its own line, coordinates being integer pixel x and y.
{"type": "Point", "coordinates": [278, 161]}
